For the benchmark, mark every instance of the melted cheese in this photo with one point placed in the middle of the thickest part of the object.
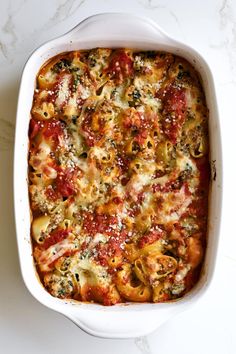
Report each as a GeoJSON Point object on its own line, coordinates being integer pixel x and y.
{"type": "Point", "coordinates": [63, 91]}
{"type": "Point", "coordinates": [91, 274]}
{"type": "Point", "coordinates": [184, 162]}
{"type": "Point", "coordinates": [100, 181]}
{"type": "Point", "coordinates": [174, 206]}
{"type": "Point", "coordinates": [54, 252]}
{"type": "Point", "coordinates": [84, 92]}
{"type": "Point", "coordinates": [44, 150]}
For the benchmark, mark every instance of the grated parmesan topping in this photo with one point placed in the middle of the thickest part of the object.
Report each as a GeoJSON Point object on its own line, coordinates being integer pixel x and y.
{"type": "Point", "coordinates": [118, 175]}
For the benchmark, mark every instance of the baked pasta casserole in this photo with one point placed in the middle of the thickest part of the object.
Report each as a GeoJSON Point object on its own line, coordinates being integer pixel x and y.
{"type": "Point", "coordinates": [118, 176]}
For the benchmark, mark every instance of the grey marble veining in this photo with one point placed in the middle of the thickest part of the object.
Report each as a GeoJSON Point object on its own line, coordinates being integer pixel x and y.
{"type": "Point", "coordinates": [228, 25]}
{"type": "Point", "coordinates": [143, 345]}
{"type": "Point", "coordinates": [8, 34]}
{"type": "Point", "coordinates": [63, 11]}
{"type": "Point", "coordinates": [210, 27]}
{"type": "Point", "coordinates": [151, 4]}
{"type": "Point", "coordinates": [6, 135]}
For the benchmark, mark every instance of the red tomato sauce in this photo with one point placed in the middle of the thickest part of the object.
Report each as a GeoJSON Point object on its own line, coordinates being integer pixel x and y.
{"type": "Point", "coordinates": [174, 109]}
{"type": "Point", "coordinates": [120, 66]}
{"type": "Point", "coordinates": [55, 237]}
{"type": "Point", "coordinates": [65, 182]}
{"type": "Point", "coordinates": [149, 238]}
{"type": "Point", "coordinates": [34, 128]}
{"type": "Point", "coordinates": [52, 130]}
{"type": "Point", "coordinates": [95, 223]}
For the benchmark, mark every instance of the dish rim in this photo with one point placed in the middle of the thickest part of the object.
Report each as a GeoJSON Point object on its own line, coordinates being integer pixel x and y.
{"type": "Point", "coordinates": [187, 299]}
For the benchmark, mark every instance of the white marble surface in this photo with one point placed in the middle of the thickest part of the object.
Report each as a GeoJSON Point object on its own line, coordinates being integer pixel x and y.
{"type": "Point", "coordinates": [25, 325]}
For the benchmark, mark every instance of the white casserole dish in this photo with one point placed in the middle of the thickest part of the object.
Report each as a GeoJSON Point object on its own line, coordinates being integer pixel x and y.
{"type": "Point", "coordinates": [112, 30]}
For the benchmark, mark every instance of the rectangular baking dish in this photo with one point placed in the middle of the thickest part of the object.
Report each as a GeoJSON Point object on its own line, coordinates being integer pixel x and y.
{"type": "Point", "coordinates": [112, 30]}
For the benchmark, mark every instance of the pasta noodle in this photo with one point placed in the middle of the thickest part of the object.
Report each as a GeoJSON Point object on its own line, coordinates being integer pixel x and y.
{"type": "Point", "coordinates": [118, 176]}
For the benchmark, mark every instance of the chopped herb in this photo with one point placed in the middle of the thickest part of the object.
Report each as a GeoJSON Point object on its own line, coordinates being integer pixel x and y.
{"type": "Point", "coordinates": [188, 167]}
{"type": "Point", "coordinates": [151, 54]}
{"type": "Point", "coordinates": [184, 175]}
{"type": "Point", "coordinates": [150, 94]}
{"type": "Point", "coordinates": [114, 93]}
{"type": "Point", "coordinates": [182, 74]}
{"type": "Point", "coordinates": [85, 254]}
{"type": "Point", "coordinates": [61, 292]}
{"type": "Point", "coordinates": [76, 81]}
{"type": "Point", "coordinates": [57, 67]}
{"type": "Point", "coordinates": [84, 155]}
{"type": "Point", "coordinates": [74, 69]}
{"type": "Point", "coordinates": [60, 65]}
{"type": "Point", "coordinates": [136, 95]}
{"type": "Point", "coordinates": [135, 147]}
{"type": "Point", "coordinates": [66, 62]}
{"type": "Point", "coordinates": [135, 98]}
{"type": "Point", "coordinates": [92, 61]}
{"type": "Point", "coordinates": [74, 119]}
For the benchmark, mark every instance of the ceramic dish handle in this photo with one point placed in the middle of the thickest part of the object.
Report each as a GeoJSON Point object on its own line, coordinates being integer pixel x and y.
{"type": "Point", "coordinates": [117, 25]}
{"type": "Point", "coordinates": [120, 324]}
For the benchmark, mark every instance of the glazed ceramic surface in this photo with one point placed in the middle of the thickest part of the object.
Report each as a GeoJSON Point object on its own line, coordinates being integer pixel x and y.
{"type": "Point", "coordinates": [113, 30]}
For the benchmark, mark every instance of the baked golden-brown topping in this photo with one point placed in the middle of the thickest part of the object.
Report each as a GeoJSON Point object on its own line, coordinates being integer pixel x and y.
{"type": "Point", "coordinates": [118, 175]}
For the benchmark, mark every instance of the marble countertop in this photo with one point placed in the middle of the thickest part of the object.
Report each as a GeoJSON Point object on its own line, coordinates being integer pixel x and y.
{"type": "Point", "coordinates": [25, 325]}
